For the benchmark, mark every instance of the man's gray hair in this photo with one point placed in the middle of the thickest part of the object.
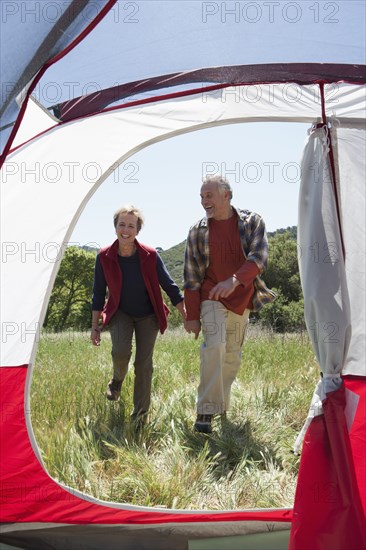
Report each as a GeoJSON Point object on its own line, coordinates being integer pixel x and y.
{"type": "Point", "coordinates": [222, 183]}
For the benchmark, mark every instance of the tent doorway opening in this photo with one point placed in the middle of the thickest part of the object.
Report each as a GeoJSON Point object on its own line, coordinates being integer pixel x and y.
{"type": "Point", "coordinates": [88, 443]}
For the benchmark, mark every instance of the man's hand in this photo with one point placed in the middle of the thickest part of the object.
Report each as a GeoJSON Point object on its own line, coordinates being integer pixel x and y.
{"type": "Point", "coordinates": [193, 326]}
{"type": "Point", "coordinates": [224, 288]}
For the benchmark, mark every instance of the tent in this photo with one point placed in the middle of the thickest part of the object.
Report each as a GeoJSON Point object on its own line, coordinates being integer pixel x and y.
{"type": "Point", "coordinates": [170, 67]}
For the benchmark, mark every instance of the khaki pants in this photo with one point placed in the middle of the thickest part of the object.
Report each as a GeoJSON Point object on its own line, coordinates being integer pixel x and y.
{"type": "Point", "coordinates": [223, 333]}
{"type": "Point", "coordinates": [122, 327]}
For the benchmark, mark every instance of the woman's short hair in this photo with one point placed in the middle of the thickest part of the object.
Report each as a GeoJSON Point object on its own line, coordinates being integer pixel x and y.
{"type": "Point", "coordinates": [222, 183]}
{"type": "Point", "coordinates": [129, 209]}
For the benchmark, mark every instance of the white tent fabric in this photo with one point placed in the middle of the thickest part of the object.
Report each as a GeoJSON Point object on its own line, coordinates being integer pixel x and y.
{"type": "Point", "coordinates": [333, 282]}
{"type": "Point", "coordinates": [143, 39]}
{"type": "Point", "coordinates": [36, 120]}
{"type": "Point", "coordinates": [350, 147]}
{"type": "Point", "coordinates": [56, 170]}
{"type": "Point", "coordinates": [327, 309]}
{"type": "Point", "coordinates": [333, 285]}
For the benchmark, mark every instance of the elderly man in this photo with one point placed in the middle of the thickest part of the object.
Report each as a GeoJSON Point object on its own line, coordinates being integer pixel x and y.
{"type": "Point", "coordinates": [225, 253]}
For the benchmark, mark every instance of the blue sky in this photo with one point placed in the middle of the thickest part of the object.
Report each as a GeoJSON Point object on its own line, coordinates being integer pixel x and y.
{"type": "Point", "coordinates": [262, 162]}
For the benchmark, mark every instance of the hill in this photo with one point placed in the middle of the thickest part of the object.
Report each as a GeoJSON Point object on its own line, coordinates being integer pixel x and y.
{"type": "Point", "coordinates": [174, 261]}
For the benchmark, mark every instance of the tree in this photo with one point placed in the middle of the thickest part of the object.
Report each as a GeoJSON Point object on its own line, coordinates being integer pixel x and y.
{"type": "Point", "coordinates": [283, 268]}
{"type": "Point", "coordinates": [286, 313]}
{"type": "Point", "coordinates": [69, 304]}
{"type": "Point", "coordinates": [283, 316]}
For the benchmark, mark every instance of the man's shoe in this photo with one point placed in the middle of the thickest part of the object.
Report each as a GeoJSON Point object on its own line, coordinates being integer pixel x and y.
{"type": "Point", "coordinates": [203, 423]}
{"type": "Point", "coordinates": [113, 389]}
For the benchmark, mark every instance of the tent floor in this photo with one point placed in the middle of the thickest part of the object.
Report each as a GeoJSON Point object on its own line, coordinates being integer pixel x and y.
{"type": "Point", "coordinates": [94, 537]}
{"type": "Point", "coordinates": [277, 540]}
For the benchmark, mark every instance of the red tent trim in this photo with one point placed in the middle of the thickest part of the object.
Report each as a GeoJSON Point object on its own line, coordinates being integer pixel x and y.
{"type": "Point", "coordinates": [329, 509]}
{"type": "Point", "coordinates": [235, 75]}
{"type": "Point", "coordinates": [29, 494]}
{"type": "Point", "coordinates": [83, 107]}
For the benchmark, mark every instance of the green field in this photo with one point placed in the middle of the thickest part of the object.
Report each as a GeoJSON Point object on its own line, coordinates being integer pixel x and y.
{"type": "Point", "coordinates": [89, 444]}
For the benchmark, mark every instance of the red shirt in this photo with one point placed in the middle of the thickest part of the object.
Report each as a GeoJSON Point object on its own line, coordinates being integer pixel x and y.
{"type": "Point", "coordinates": [226, 258]}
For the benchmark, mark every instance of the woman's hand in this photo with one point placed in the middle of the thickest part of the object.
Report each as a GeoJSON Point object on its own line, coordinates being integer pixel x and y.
{"type": "Point", "coordinates": [182, 309]}
{"type": "Point", "coordinates": [95, 336]}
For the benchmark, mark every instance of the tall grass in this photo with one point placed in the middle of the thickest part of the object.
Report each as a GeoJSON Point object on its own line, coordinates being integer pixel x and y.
{"type": "Point", "coordinates": [89, 443]}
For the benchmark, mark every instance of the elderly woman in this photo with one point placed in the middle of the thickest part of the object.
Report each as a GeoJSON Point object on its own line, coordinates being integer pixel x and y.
{"type": "Point", "coordinates": [133, 273]}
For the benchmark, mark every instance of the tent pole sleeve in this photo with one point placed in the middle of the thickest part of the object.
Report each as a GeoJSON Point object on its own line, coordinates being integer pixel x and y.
{"type": "Point", "coordinates": [332, 166]}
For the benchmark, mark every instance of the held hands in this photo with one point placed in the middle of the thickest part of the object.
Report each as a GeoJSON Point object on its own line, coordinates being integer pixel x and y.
{"type": "Point", "coordinates": [95, 336]}
{"type": "Point", "coordinates": [224, 288]}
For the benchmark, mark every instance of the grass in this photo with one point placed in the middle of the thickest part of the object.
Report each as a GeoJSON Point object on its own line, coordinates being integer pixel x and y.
{"type": "Point", "coordinates": [89, 444]}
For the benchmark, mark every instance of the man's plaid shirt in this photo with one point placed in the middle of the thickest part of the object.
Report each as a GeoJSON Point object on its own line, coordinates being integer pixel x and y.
{"type": "Point", "coordinates": [254, 245]}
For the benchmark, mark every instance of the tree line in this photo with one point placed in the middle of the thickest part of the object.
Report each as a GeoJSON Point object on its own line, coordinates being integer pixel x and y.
{"type": "Point", "coordinates": [70, 301]}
